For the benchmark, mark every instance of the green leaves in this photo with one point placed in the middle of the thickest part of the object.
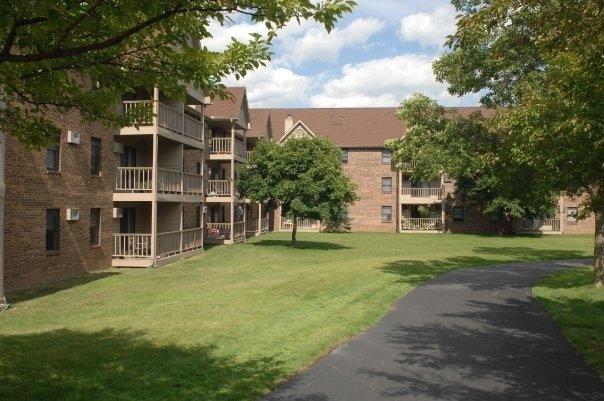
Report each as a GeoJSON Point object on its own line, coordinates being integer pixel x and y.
{"type": "Point", "coordinates": [304, 176]}
{"type": "Point", "coordinates": [52, 52]}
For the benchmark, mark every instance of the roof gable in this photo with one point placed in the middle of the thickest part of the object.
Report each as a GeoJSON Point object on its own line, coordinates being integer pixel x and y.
{"type": "Point", "coordinates": [298, 130]}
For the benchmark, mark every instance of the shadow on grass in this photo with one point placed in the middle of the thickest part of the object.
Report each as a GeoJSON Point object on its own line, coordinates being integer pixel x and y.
{"type": "Point", "coordinates": [416, 272]}
{"type": "Point", "coordinates": [315, 245]}
{"type": "Point", "coordinates": [577, 306]}
{"type": "Point", "coordinates": [522, 253]}
{"type": "Point", "coordinates": [57, 286]}
{"type": "Point", "coordinates": [122, 365]}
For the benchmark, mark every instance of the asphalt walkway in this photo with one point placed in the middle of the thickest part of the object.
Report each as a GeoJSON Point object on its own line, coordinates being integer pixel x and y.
{"type": "Point", "coordinates": [472, 334]}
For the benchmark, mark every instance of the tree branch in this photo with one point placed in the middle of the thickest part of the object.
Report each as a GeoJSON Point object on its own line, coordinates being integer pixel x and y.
{"type": "Point", "coordinates": [77, 22]}
{"type": "Point", "coordinates": [60, 53]}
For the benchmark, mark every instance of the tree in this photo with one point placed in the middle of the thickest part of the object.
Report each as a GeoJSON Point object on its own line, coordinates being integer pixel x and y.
{"type": "Point", "coordinates": [304, 176]}
{"type": "Point", "coordinates": [539, 65]}
{"type": "Point", "coordinates": [464, 147]}
{"type": "Point", "coordinates": [57, 55]}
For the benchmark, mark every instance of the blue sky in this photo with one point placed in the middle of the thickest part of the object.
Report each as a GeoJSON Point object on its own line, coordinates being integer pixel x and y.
{"type": "Point", "coordinates": [376, 56]}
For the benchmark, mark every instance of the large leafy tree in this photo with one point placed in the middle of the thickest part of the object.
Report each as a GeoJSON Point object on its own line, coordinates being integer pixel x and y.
{"type": "Point", "coordinates": [464, 146]}
{"type": "Point", "coordinates": [57, 55]}
{"type": "Point", "coordinates": [539, 65]}
{"type": "Point", "coordinates": [304, 176]}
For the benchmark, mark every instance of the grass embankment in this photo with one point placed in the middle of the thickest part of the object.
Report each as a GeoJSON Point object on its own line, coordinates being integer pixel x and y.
{"type": "Point", "coordinates": [232, 323]}
{"type": "Point", "coordinates": [578, 308]}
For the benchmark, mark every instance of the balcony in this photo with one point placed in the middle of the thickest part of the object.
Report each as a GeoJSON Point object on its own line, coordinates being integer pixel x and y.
{"type": "Point", "coordinates": [539, 226]}
{"type": "Point", "coordinates": [421, 195]}
{"type": "Point", "coordinates": [217, 189]}
{"type": "Point", "coordinates": [171, 122]}
{"type": "Point", "coordinates": [421, 224]}
{"type": "Point", "coordinates": [303, 225]}
{"type": "Point", "coordinates": [220, 233]}
{"type": "Point", "coordinates": [222, 149]}
{"type": "Point", "coordinates": [134, 250]}
{"type": "Point", "coordinates": [138, 180]}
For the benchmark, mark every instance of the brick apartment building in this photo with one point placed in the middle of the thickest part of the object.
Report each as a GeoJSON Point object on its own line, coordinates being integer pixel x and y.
{"type": "Point", "coordinates": [389, 200]}
{"type": "Point", "coordinates": [146, 196]}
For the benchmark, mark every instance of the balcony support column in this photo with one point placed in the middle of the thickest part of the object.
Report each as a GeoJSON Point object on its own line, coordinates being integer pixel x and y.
{"type": "Point", "coordinates": [399, 209]}
{"type": "Point", "coordinates": [232, 179]}
{"type": "Point", "coordinates": [154, 180]}
{"type": "Point", "coordinates": [259, 218]}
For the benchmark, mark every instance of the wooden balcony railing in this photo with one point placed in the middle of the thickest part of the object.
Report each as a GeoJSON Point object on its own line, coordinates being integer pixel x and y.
{"type": "Point", "coordinates": [222, 146]}
{"type": "Point", "coordinates": [421, 224]}
{"type": "Point", "coordinates": [408, 167]}
{"type": "Point", "coordinates": [193, 128]}
{"type": "Point", "coordinates": [540, 225]}
{"type": "Point", "coordinates": [251, 225]}
{"type": "Point", "coordinates": [169, 118]}
{"type": "Point", "coordinates": [139, 179]}
{"type": "Point", "coordinates": [168, 244]}
{"type": "Point", "coordinates": [132, 246]}
{"type": "Point", "coordinates": [218, 230]}
{"type": "Point", "coordinates": [133, 179]}
{"type": "Point", "coordinates": [169, 181]}
{"type": "Point", "coordinates": [192, 239]}
{"type": "Point", "coordinates": [138, 246]}
{"type": "Point", "coordinates": [435, 193]}
{"type": "Point", "coordinates": [192, 184]}
{"type": "Point", "coordinates": [219, 146]}
{"type": "Point", "coordinates": [239, 230]}
{"type": "Point", "coordinates": [219, 188]}
{"type": "Point", "coordinates": [303, 224]}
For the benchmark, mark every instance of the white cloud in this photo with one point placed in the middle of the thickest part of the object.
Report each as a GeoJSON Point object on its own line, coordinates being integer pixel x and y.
{"type": "Point", "coordinates": [428, 28]}
{"type": "Point", "coordinates": [222, 35]}
{"type": "Point", "coordinates": [310, 42]}
{"type": "Point", "coordinates": [274, 86]}
{"type": "Point", "coordinates": [384, 82]}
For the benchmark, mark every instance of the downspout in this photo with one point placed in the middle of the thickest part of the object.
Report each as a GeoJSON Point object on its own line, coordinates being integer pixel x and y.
{"type": "Point", "coordinates": [4, 305]}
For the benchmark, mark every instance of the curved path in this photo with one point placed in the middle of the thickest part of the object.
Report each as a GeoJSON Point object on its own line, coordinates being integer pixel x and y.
{"type": "Point", "coordinates": [472, 334]}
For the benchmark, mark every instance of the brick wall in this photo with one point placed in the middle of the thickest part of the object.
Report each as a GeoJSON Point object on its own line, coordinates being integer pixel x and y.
{"type": "Point", "coordinates": [365, 168]}
{"type": "Point", "coordinates": [30, 190]}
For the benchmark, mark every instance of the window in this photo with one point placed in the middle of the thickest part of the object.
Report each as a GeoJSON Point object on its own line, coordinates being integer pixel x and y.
{"type": "Point", "coordinates": [386, 214]}
{"type": "Point", "coordinates": [95, 227]}
{"type": "Point", "coordinates": [95, 156]}
{"type": "Point", "coordinates": [53, 155]}
{"type": "Point", "coordinates": [344, 156]}
{"type": "Point", "coordinates": [458, 213]}
{"type": "Point", "coordinates": [571, 214]}
{"type": "Point", "coordinates": [386, 156]}
{"type": "Point", "coordinates": [52, 230]}
{"type": "Point", "coordinates": [198, 168]}
{"type": "Point", "coordinates": [386, 185]}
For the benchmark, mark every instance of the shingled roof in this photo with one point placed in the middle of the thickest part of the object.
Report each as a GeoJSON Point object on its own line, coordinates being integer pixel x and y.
{"type": "Point", "coordinates": [227, 108]}
{"type": "Point", "coordinates": [347, 127]}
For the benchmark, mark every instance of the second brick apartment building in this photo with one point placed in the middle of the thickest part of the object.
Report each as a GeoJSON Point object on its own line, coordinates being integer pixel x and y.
{"type": "Point", "coordinates": [145, 196]}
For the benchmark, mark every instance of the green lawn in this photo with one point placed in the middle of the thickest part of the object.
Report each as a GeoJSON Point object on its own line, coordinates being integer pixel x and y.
{"type": "Point", "coordinates": [232, 323]}
{"type": "Point", "coordinates": [578, 308]}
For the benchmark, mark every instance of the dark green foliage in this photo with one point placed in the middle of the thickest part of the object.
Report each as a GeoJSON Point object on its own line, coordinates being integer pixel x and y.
{"type": "Point", "coordinates": [304, 175]}
{"type": "Point", "coordinates": [59, 55]}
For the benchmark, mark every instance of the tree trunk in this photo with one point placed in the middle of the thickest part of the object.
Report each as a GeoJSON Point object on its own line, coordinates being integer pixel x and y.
{"type": "Point", "coordinates": [294, 230]}
{"type": "Point", "coordinates": [599, 248]}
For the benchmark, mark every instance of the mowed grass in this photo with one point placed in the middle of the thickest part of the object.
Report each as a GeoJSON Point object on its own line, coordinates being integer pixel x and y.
{"type": "Point", "coordinates": [578, 308]}
{"type": "Point", "coordinates": [232, 323]}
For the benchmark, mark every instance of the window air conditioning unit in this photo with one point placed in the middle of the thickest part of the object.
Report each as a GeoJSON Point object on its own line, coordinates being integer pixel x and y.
{"type": "Point", "coordinates": [73, 137]}
{"type": "Point", "coordinates": [205, 209]}
{"type": "Point", "coordinates": [73, 214]}
{"type": "Point", "coordinates": [118, 147]}
{"type": "Point", "coordinates": [118, 212]}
